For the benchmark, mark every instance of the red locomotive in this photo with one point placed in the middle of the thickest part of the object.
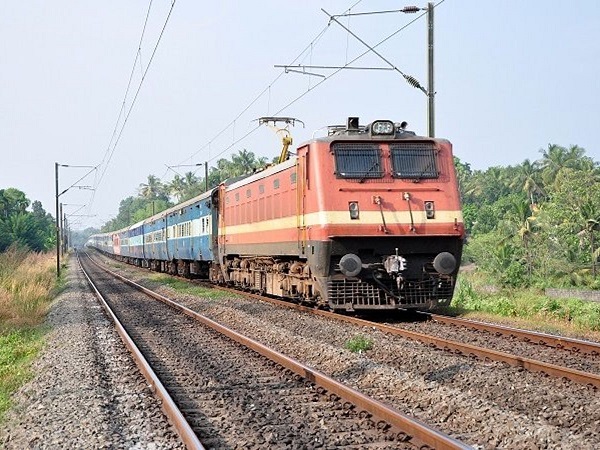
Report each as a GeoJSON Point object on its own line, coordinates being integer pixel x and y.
{"type": "Point", "coordinates": [367, 217]}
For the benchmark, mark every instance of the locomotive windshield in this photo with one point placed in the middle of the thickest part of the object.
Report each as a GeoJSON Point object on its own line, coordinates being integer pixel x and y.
{"type": "Point", "coordinates": [410, 160]}
{"type": "Point", "coordinates": [357, 160]}
{"type": "Point", "coordinates": [414, 160]}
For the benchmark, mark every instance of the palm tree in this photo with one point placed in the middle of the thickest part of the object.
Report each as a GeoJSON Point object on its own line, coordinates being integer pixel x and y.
{"type": "Point", "coordinates": [191, 185]}
{"type": "Point", "coordinates": [527, 179]}
{"type": "Point", "coordinates": [590, 219]}
{"type": "Point", "coordinates": [152, 189]}
{"type": "Point", "coordinates": [244, 162]}
{"type": "Point", "coordinates": [177, 187]}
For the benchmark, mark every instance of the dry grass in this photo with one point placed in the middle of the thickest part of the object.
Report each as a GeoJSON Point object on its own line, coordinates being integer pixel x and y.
{"type": "Point", "coordinates": [26, 283]}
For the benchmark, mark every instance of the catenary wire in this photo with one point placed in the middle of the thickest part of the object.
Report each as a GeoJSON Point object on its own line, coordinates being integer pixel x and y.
{"type": "Point", "coordinates": [135, 97]}
{"type": "Point", "coordinates": [266, 90]}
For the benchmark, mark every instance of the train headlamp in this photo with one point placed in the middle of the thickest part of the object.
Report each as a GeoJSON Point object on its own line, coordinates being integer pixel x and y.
{"type": "Point", "coordinates": [382, 127]}
{"type": "Point", "coordinates": [430, 210]}
{"type": "Point", "coordinates": [444, 263]}
{"type": "Point", "coordinates": [354, 210]}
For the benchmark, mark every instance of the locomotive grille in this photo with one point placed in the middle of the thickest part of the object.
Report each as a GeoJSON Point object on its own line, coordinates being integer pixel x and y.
{"type": "Point", "coordinates": [416, 160]}
{"type": "Point", "coordinates": [367, 295]}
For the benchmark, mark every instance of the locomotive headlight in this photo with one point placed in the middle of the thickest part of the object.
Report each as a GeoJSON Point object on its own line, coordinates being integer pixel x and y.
{"type": "Point", "coordinates": [354, 211]}
{"type": "Point", "coordinates": [444, 263]}
{"type": "Point", "coordinates": [430, 210]}
{"type": "Point", "coordinates": [382, 127]}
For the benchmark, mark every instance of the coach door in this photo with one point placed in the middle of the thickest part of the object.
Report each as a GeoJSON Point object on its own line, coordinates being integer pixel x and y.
{"type": "Point", "coordinates": [301, 186]}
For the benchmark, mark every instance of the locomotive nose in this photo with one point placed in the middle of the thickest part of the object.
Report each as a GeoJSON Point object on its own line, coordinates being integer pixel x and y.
{"type": "Point", "coordinates": [444, 263]}
{"type": "Point", "coordinates": [350, 265]}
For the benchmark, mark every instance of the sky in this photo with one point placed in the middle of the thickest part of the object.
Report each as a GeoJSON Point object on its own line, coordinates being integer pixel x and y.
{"type": "Point", "coordinates": [511, 77]}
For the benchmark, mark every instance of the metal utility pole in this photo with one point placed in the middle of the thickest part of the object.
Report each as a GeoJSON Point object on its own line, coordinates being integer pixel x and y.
{"type": "Point", "coordinates": [430, 88]}
{"type": "Point", "coordinates": [57, 222]}
{"type": "Point", "coordinates": [206, 176]}
{"type": "Point", "coordinates": [62, 229]}
{"type": "Point", "coordinates": [59, 210]}
{"type": "Point", "coordinates": [429, 92]}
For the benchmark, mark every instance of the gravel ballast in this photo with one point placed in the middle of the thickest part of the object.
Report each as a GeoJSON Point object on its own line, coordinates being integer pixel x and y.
{"type": "Point", "coordinates": [87, 391]}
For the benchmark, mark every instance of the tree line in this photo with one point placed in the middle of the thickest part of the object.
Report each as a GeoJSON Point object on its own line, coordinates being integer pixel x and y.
{"type": "Point", "coordinates": [535, 223]}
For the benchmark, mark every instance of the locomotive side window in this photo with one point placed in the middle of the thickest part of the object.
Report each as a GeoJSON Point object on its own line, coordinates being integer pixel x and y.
{"type": "Point", "coordinates": [354, 160]}
{"type": "Point", "coordinates": [414, 160]}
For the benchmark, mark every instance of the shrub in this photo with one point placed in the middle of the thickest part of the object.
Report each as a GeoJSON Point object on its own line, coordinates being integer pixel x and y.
{"type": "Point", "coordinates": [358, 344]}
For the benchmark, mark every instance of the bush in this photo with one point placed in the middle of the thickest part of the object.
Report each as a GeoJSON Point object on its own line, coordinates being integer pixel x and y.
{"type": "Point", "coordinates": [359, 344]}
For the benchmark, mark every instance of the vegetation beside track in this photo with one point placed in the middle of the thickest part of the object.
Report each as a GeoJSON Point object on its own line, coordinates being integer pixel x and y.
{"type": "Point", "coordinates": [185, 287]}
{"type": "Point", "coordinates": [526, 307]}
{"type": "Point", "coordinates": [359, 344]}
{"type": "Point", "coordinates": [27, 286]}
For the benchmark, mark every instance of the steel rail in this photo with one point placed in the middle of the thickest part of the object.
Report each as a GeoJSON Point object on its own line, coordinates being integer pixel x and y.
{"type": "Point", "coordinates": [446, 344]}
{"type": "Point", "coordinates": [381, 411]}
{"type": "Point", "coordinates": [183, 428]}
{"type": "Point", "coordinates": [567, 343]}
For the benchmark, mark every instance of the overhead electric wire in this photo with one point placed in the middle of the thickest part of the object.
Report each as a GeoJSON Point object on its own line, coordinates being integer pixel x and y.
{"type": "Point", "coordinates": [369, 50]}
{"type": "Point", "coordinates": [267, 89]}
{"type": "Point", "coordinates": [245, 109]}
{"type": "Point", "coordinates": [116, 142]}
{"type": "Point", "coordinates": [351, 62]}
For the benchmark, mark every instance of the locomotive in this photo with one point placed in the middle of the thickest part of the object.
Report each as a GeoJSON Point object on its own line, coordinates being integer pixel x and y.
{"type": "Point", "coordinates": [365, 218]}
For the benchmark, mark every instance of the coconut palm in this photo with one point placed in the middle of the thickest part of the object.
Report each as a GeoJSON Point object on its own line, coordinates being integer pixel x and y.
{"type": "Point", "coordinates": [152, 189]}
{"type": "Point", "coordinates": [527, 178]}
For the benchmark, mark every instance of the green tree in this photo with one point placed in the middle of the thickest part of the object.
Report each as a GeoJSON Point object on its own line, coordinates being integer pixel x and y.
{"type": "Point", "coordinates": [153, 189]}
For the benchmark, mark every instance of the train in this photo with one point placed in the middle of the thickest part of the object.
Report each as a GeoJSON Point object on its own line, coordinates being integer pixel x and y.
{"type": "Point", "coordinates": [367, 217]}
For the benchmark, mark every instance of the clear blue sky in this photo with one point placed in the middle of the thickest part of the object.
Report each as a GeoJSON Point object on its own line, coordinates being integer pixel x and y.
{"type": "Point", "coordinates": [511, 77]}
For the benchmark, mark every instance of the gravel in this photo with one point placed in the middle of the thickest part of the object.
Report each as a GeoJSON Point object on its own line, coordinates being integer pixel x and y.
{"type": "Point", "coordinates": [87, 391]}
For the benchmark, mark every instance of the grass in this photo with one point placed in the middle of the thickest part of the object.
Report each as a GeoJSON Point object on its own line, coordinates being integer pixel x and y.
{"type": "Point", "coordinates": [358, 344]}
{"type": "Point", "coordinates": [186, 287]}
{"type": "Point", "coordinates": [27, 286]}
{"type": "Point", "coordinates": [526, 307]}
{"type": "Point", "coordinates": [18, 348]}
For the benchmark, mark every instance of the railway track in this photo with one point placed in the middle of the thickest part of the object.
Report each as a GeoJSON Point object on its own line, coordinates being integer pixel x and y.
{"type": "Point", "coordinates": [225, 390]}
{"type": "Point", "coordinates": [584, 371]}
{"type": "Point", "coordinates": [559, 342]}
{"type": "Point", "coordinates": [470, 350]}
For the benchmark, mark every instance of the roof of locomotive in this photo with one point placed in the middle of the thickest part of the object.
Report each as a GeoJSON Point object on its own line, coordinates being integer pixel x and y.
{"type": "Point", "coordinates": [363, 133]}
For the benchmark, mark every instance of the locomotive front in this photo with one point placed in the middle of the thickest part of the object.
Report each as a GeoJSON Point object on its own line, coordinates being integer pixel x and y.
{"type": "Point", "coordinates": [380, 217]}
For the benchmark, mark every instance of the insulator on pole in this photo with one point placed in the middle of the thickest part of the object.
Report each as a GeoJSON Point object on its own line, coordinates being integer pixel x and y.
{"type": "Point", "coordinates": [410, 9]}
{"type": "Point", "coordinates": [413, 81]}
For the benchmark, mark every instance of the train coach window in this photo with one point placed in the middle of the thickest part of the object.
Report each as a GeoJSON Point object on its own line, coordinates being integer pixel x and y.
{"type": "Point", "coordinates": [414, 160]}
{"type": "Point", "coordinates": [248, 192]}
{"type": "Point", "coordinates": [261, 188]}
{"type": "Point", "coordinates": [293, 177]}
{"type": "Point", "coordinates": [237, 196]}
{"type": "Point", "coordinates": [354, 160]}
{"type": "Point", "coordinates": [276, 183]}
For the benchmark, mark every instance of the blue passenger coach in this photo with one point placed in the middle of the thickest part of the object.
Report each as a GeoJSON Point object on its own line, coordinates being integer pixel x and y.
{"type": "Point", "coordinates": [189, 230]}
{"type": "Point", "coordinates": [177, 240]}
